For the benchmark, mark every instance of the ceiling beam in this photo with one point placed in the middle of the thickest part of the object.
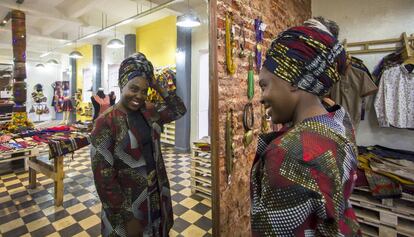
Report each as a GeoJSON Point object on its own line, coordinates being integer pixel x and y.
{"type": "Point", "coordinates": [48, 29]}
{"type": "Point", "coordinates": [32, 33]}
{"type": "Point", "coordinates": [78, 8]}
{"type": "Point", "coordinates": [49, 13]}
{"type": "Point", "coordinates": [6, 48]}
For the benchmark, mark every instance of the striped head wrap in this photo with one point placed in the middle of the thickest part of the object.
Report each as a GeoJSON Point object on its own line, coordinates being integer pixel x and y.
{"type": "Point", "coordinates": [165, 78]}
{"type": "Point", "coordinates": [136, 65]}
{"type": "Point", "coordinates": [308, 57]}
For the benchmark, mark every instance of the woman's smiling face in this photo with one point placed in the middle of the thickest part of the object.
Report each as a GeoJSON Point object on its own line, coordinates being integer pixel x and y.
{"type": "Point", "coordinates": [135, 93]}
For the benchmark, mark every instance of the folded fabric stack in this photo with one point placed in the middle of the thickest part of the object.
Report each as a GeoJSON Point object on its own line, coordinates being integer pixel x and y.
{"type": "Point", "coordinates": [15, 144]}
{"type": "Point", "coordinates": [386, 171]}
{"type": "Point", "coordinates": [203, 144]}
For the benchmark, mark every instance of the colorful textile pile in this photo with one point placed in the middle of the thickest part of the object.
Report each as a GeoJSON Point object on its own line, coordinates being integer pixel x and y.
{"type": "Point", "coordinates": [60, 139]}
{"type": "Point", "coordinates": [387, 171]}
{"type": "Point", "coordinates": [19, 122]}
{"type": "Point", "coordinates": [203, 144]}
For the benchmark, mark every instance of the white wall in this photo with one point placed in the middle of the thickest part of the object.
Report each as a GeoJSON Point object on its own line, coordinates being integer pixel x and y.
{"type": "Point", "coordinates": [372, 20]}
{"type": "Point", "coordinates": [46, 77]}
{"type": "Point", "coordinates": [200, 44]}
{"type": "Point", "coordinates": [110, 56]}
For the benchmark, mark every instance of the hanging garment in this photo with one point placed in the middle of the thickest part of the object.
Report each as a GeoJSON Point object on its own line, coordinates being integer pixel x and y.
{"type": "Point", "coordinates": [368, 100]}
{"type": "Point", "coordinates": [349, 91]}
{"type": "Point", "coordinates": [390, 60]}
{"type": "Point", "coordinates": [302, 179]}
{"type": "Point", "coordinates": [394, 103]}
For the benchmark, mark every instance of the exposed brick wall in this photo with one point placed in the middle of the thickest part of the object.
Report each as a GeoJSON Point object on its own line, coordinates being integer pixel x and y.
{"type": "Point", "coordinates": [278, 15]}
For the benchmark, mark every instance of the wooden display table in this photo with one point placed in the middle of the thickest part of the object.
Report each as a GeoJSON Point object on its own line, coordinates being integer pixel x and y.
{"type": "Point", "coordinates": [54, 172]}
{"type": "Point", "coordinates": [19, 154]}
{"type": "Point", "coordinates": [55, 148]}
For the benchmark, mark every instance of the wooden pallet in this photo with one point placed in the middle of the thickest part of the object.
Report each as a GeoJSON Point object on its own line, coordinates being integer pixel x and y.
{"type": "Point", "coordinates": [377, 219]}
{"type": "Point", "coordinates": [168, 135]}
{"type": "Point", "coordinates": [201, 172]}
{"type": "Point", "coordinates": [372, 230]}
{"type": "Point", "coordinates": [404, 205]}
{"type": "Point", "coordinates": [375, 230]}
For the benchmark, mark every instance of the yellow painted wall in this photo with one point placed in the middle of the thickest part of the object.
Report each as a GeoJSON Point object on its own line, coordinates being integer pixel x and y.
{"type": "Point", "coordinates": [82, 63]}
{"type": "Point", "coordinates": [158, 41]}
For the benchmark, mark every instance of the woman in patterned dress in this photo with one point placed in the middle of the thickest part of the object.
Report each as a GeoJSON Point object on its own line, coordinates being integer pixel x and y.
{"type": "Point", "coordinates": [302, 177]}
{"type": "Point", "coordinates": [128, 167]}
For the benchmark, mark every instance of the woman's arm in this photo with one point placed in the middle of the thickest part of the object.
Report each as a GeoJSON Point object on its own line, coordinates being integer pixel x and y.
{"type": "Point", "coordinates": [173, 108]}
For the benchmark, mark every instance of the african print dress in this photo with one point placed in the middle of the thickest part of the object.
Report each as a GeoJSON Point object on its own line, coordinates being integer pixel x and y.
{"type": "Point", "coordinates": [129, 171]}
{"type": "Point", "coordinates": [302, 179]}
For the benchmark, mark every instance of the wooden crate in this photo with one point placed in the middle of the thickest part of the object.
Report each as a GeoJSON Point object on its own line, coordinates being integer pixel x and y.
{"type": "Point", "coordinates": [168, 135]}
{"type": "Point", "coordinates": [383, 217]}
{"type": "Point", "coordinates": [201, 172]}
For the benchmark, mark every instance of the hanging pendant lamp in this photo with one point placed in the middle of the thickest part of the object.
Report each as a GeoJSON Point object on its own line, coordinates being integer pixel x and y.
{"type": "Point", "coordinates": [52, 61]}
{"type": "Point", "coordinates": [40, 65]}
{"type": "Point", "coordinates": [189, 19]}
{"type": "Point", "coordinates": [75, 54]}
{"type": "Point", "coordinates": [115, 43]}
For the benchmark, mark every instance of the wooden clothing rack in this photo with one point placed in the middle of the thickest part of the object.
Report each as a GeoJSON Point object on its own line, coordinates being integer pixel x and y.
{"type": "Point", "coordinates": [383, 46]}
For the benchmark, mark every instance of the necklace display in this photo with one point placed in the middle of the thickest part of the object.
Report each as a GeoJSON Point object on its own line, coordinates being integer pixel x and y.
{"type": "Point", "coordinates": [230, 44]}
{"type": "Point", "coordinates": [242, 44]}
{"type": "Point", "coordinates": [248, 122]}
{"type": "Point", "coordinates": [248, 115]}
{"type": "Point", "coordinates": [265, 124]}
{"type": "Point", "coordinates": [259, 28]}
{"type": "Point", "coordinates": [250, 79]}
{"type": "Point", "coordinates": [229, 146]}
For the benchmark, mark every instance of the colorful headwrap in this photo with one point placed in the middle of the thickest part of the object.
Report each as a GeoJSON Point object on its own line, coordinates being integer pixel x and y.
{"type": "Point", "coordinates": [308, 57]}
{"type": "Point", "coordinates": [136, 65]}
{"type": "Point", "coordinates": [165, 78]}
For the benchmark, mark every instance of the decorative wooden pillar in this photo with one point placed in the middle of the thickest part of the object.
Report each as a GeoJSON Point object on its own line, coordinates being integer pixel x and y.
{"type": "Point", "coordinates": [19, 119]}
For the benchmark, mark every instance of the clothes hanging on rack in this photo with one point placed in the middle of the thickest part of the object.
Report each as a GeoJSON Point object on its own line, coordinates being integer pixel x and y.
{"type": "Point", "coordinates": [394, 104]}
{"type": "Point", "coordinates": [67, 102]}
{"type": "Point", "coordinates": [101, 103]}
{"type": "Point", "coordinates": [349, 91]}
{"type": "Point", "coordinates": [366, 101]}
{"type": "Point", "coordinates": [61, 96]}
{"type": "Point", "coordinates": [390, 60]}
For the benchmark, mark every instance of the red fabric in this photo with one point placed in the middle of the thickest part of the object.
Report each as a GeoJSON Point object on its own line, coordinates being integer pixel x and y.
{"type": "Point", "coordinates": [104, 103]}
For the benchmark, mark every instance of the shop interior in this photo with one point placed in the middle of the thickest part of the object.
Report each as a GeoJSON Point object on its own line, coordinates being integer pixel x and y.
{"type": "Point", "coordinates": [59, 62]}
{"type": "Point", "coordinates": [69, 54]}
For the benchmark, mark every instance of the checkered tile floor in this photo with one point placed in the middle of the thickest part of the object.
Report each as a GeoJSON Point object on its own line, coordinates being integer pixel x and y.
{"type": "Point", "coordinates": [26, 212]}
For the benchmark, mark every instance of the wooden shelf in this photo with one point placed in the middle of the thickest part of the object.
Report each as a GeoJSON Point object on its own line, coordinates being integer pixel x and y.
{"type": "Point", "coordinates": [168, 135]}
{"type": "Point", "coordinates": [201, 172]}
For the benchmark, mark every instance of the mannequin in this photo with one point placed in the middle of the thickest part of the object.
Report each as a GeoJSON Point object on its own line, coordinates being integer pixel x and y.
{"type": "Point", "coordinates": [67, 102]}
{"type": "Point", "coordinates": [102, 102]}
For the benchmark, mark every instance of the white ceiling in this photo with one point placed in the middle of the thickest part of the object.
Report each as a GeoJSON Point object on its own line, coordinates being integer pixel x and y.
{"type": "Point", "coordinates": [51, 24]}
